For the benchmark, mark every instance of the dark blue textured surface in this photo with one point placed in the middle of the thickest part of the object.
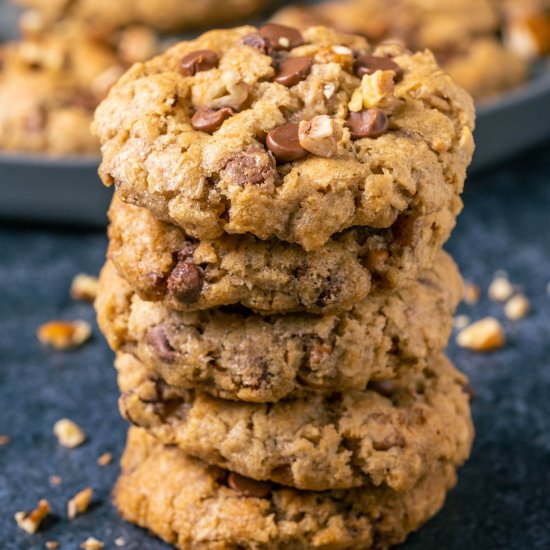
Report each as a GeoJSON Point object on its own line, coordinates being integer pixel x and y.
{"type": "Point", "coordinates": [503, 498]}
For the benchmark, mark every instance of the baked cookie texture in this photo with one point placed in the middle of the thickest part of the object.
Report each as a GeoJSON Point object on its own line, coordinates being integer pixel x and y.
{"type": "Point", "coordinates": [53, 78]}
{"type": "Point", "coordinates": [462, 34]}
{"type": "Point", "coordinates": [247, 138]}
{"type": "Point", "coordinates": [162, 15]}
{"type": "Point", "coordinates": [241, 356]}
{"type": "Point", "coordinates": [162, 264]}
{"type": "Point", "coordinates": [390, 435]}
{"type": "Point", "coordinates": [195, 506]}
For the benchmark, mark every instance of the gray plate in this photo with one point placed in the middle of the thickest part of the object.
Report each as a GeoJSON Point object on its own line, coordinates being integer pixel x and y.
{"type": "Point", "coordinates": [69, 191]}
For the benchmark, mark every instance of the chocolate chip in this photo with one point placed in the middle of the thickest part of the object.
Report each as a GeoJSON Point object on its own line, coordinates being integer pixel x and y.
{"type": "Point", "coordinates": [195, 62]}
{"type": "Point", "coordinates": [253, 166]}
{"type": "Point", "coordinates": [186, 281]}
{"type": "Point", "coordinates": [293, 70]}
{"type": "Point", "coordinates": [249, 487]}
{"type": "Point", "coordinates": [209, 120]}
{"type": "Point", "coordinates": [370, 123]}
{"type": "Point", "coordinates": [384, 387]}
{"type": "Point", "coordinates": [369, 64]}
{"type": "Point", "coordinates": [157, 339]}
{"type": "Point", "coordinates": [284, 143]}
{"type": "Point", "coordinates": [259, 42]}
{"type": "Point", "coordinates": [281, 37]}
{"type": "Point", "coordinates": [330, 293]}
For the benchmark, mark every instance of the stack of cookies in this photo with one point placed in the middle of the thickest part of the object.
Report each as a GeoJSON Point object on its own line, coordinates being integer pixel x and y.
{"type": "Point", "coordinates": [276, 292]}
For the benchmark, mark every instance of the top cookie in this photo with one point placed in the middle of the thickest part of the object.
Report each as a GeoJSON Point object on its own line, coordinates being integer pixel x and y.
{"type": "Point", "coordinates": [283, 134]}
{"type": "Point", "coordinates": [162, 15]}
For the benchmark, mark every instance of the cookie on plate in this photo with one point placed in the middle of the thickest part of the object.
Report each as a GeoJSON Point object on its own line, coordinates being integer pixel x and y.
{"type": "Point", "coordinates": [238, 355]}
{"type": "Point", "coordinates": [391, 434]}
{"type": "Point", "coordinates": [162, 15]}
{"type": "Point", "coordinates": [192, 505]}
{"type": "Point", "coordinates": [162, 264]}
{"type": "Point", "coordinates": [286, 134]}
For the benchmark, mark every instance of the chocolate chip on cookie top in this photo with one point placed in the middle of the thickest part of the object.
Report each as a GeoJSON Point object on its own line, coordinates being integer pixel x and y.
{"type": "Point", "coordinates": [200, 60]}
{"type": "Point", "coordinates": [281, 37]}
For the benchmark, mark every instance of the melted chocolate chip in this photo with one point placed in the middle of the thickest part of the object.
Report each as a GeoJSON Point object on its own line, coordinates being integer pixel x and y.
{"type": "Point", "coordinates": [209, 120]}
{"type": "Point", "coordinates": [293, 70]}
{"type": "Point", "coordinates": [249, 487]}
{"type": "Point", "coordinates": [186, 280]}
{"type": "Point", "coordinates": [259, 42]}
{"type": "Point", "coordinates": [284, 143]}
{"type": "Point", "coordinates": [369, 64]}
{"type": "Point", "coordinates": [157, 339]}
{"type": "Point", "coordinates": [195, 62]}
{"type": "Point", "coordinates": [253, 166]}
{"type": "Point", "coordinates": [281, 37]}
{"type": "Point", "coordinates": [369, 123]}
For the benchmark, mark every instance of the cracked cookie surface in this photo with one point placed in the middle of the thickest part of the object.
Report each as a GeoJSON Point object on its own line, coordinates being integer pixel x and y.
{"type": "Point", "coordinates": [391, 434]}
{"type": "Point", "coordinates": [162, 264]}
{"type": "Point", "coordinates": [241, 356]}
{"type": "Point", "coordinates": [192, 505]}
{"type": "Point", "coordinates": [288, 135]}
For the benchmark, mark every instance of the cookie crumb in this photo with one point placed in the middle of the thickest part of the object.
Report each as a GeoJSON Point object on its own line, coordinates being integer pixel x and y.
{"type": "Point", "coordinates": [471, 293]}
{"type": "Point", "coordinates": [517, 307]}
{"type": "Point", "coordinates": [79, 503]}
{"type": "Point", "coordinates": [500, 289]}
{"type": "Point", "coordinates": [55, 480]}
{"type": "Point", "coordinates": [84, 287]}
{"type": "Point", "coordinates": [52, 545]}
{"type": "Point", "coordinates": [461, 321]}
{"type": "Point", "coordinates": [63, 335]}
{"type": "Point", "coordinates": [30, 521]}
{"type": "Point", "coordinates": [4, 440]}
{"type": "Point", "coordinates": [484, 335]}
{"type": "Point", "coordinates": [120, 541]}
{"type": "Point", "coordinates": [92, 543]}
{"type": "Point", "coordinates": [68, 433]}
{"type": "Point", "coordinates": [105, 459]}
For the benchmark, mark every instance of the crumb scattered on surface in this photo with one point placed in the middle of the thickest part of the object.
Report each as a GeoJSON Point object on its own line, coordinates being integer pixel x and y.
{"type": "Point", "coordinates": [63, 335]}
{"type": "Point", "coordinates": [484, 335]}
{"type": "Point", "coordinates": [120, 541]}
{"type": "Point", "coordinates": [105, 459]}
{"type": "Point", "coordinates": [517, 307]}
{"type": "Point", "coordinates": [55, 480]}
{"type": "Point", "coordinates": [500, 289]}
{"type": "Point", "coordinates": [92, 543]}
{"type": "Point", "coordinates": [52, 545]}
{"type": "Point", "coordinates": [30, 521]}
{"type": "Point", "coordinates": [79, 503]}
{"type": "Point", "coordinates": [84, 287]}
{"type": "Point", "coordinates": [472, 293]}
{"type": "Point", "coordinates": [68, 433]}
{"type": "Point", "coordinates": [4, 440]}
{"type": "Point", "coordinates": [461, 321]}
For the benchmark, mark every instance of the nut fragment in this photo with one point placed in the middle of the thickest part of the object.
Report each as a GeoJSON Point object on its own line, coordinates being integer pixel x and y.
{"type": "Point", "coordinates": [92, 544]}
{"type": "Point", "coordinates": [484, 335]}
{"type": "Point", "coordinates": [68, 433]}
{"type": "Point", "coordinates": [30, 521]}
{"type": "Point", "coordinates": [375, 89]}
{"type": "Point", "coordinates": [517, 307]}
{"type": "Point", "coordinates": [79, 503]}
{"type": "Point", "coordinates": [320, 135]}
{"type": "Point", "coordinates": [461, 321]}
{"type": "Point", "coordinates": [64, 334]}
{"type": "Point", "coordinates": [471, 293]}
{"type": "Point", "coordinates": [4, 440]}
{"type": "Point", "coordinates": [120, 541]}
{"type": "Point", "coordinates": [105, 459]}
{"type": "Point", "coordinates": [84, 287]}
{"type": "Point", "coordinates": [500, 289]}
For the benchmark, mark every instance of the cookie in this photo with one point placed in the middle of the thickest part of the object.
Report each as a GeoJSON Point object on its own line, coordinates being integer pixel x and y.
{"type": "Point", "coordinates": [392, 434]}
{"type": "Point", "coordinates": [162, 264]}
{"type": "Point", "coordinates": [53, 78]}
{"type": "Point", "coordinates": [162, 15]}
{"type": "Point", "coordinates": [237, 355]}
{"type": "Point", "coordinates": [467, 47]}
{"type": "Point", "coordinates": [283, 134]}
{"type": "Point", "coordinates": [195, 506]}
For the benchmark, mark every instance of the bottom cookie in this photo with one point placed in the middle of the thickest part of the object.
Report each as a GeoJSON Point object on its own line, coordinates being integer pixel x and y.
{"type": "Point", "coordinates": [194, 506]}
